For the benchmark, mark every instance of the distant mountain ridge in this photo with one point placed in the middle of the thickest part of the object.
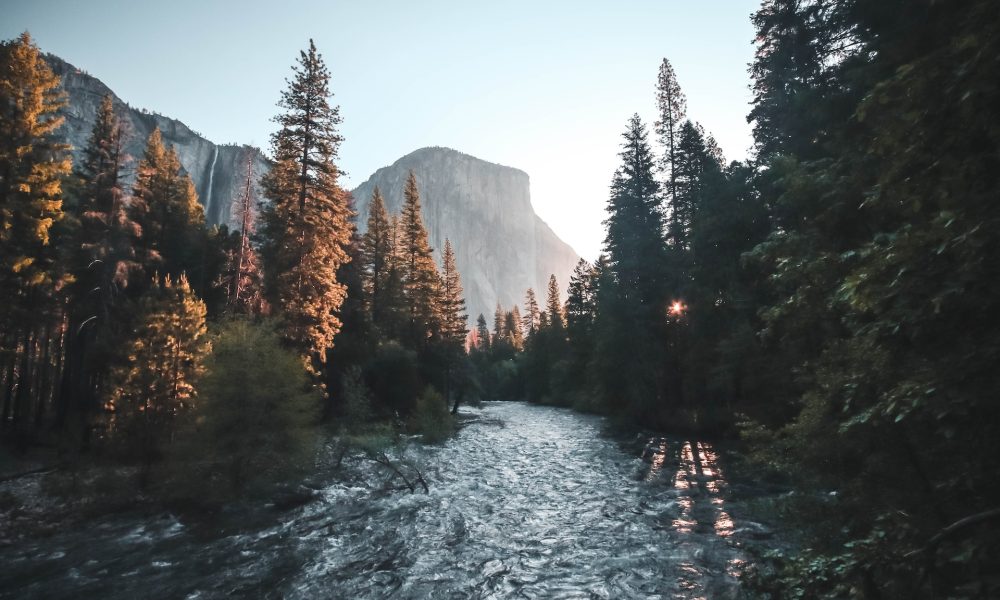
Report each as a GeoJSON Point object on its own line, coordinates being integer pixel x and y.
{"type": "Point", "coordinates": [218, 170]}
{"type": "Point", "coordinates": [502, 247]}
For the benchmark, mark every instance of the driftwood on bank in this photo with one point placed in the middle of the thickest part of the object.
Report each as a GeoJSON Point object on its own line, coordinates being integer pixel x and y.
{"type": "Point", "coordinates": [956, 528]}
{"type": "Point", "coordinates": [383, 459]}
{"type": "Point", "coordinates": [38, 471]}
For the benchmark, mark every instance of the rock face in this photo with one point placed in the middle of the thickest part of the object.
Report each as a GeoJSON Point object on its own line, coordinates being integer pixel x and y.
{"type": "Point", "coordinates": [501, 246]}
{"type": "Point", "coordinates": [218, 171]}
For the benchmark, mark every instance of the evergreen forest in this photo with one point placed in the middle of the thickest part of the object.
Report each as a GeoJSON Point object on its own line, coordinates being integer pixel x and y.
{"type": "Point", "coordinates": [827, 311]}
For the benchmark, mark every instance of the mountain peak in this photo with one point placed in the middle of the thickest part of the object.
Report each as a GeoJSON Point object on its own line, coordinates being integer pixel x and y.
{"type": "Point", "coordinates": [502, 247]}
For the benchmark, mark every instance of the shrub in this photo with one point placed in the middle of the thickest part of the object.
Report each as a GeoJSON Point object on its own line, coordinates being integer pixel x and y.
{"type": "Point", "coordinates": [255, 421]}
{"type": "Point", "coordinates": [356, 401]}
{"type": "Point", "coordinates": [394, 377]}
{"type": "Point", "coordinates": [431, 417]}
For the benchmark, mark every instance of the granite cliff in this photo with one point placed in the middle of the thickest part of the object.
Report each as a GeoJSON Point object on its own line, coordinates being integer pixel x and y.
{"type": "Point", "coordinates": [218, 171]}
{"type": "Point", "coordinates": [501, 246]}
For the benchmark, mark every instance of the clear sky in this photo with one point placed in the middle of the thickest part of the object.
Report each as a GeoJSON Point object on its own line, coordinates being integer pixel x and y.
{"type": "Point", "coordinates": [544, 86]}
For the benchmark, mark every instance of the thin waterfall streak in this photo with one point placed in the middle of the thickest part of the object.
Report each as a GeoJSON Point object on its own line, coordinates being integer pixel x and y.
{"type": "Point", "coordinates": [211, 180]}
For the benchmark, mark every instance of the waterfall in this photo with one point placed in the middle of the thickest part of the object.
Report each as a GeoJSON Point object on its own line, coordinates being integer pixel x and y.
{"type": "Point", "coordinates": [211, 179]}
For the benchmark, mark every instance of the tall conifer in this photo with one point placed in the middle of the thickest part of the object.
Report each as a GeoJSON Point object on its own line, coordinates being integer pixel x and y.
{"type": "Point", "coordinates": [421, 282]}
{"type": "Point", "coordinates": [633, 339]}
{"type": "Point", "coordinates": [530, 319]}
{"type": "Point", "coordinates": [165, 360]}
{"type": "Point", "coordinates": [498, 327]}
{"type": "Point", "coordinates": [453, 317]}
{"type": "Point", "coordinates": [377, 249]}
{"type": "Point", "coordinates": [698, 163]}
{"type": "Point", "coordinates": [516, 334]}
{"type": "Point", "coordinates": [33, 163]}
{"type": "Point", "coordinates": [306, 226]}
{"type": "Point", "coordinates": [165, 207]}
{"type": "Point", "coordinates": [553, 306]}
{"type": "Point", "coordinates": [103, 260]}
{"type": "Point", "coordinates": [482, 333]}
{"type": "Point", "coordinates": [245, 280]}
{"type": "Point", "coordinates": [672, 107]}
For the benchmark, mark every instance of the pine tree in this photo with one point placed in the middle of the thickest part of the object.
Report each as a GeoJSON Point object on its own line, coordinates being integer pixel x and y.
{"type": "Point", "coordinates": [482, 334]}
{"type": "Point", "coordinates": [516, 334]}
{"type": "Point", "coordinates": [255, 414]}
{"type": "Point", "coordinates": [581, 312]}
{"type": "Point", "coordinates": [33, 164]}
{"type": "Point", "coordinates": [377, 249]}
{"type": "Point", "coordinates": [394, 312]}
{"type": "Point", "coordinates": [672, 106]}
{"type": "Point", "coordinates": [165, 359]}
{"type": "Point", "coordinates": [580, 302]}
{"type": "Point", "coordinates": [872, 121]}
{"type": "Point", "coordinates": [530, 322]}
{"type": "Point", "coordinates": [242, 271]}
{"type": "Point", "coordinates": [553, 306]}
{"type": "Point", "coordinates": [634, 238]}
{"type": "Point", "coordinates": [421, 283]}
{"type": "Point", "coordinates": [165, 207]}
{"type": "Point", "coordinates": [306, 226]}
{"type": "Point", "coordinates": [453, 317]}
{"type": "Point", "coordinates": [637, 257]}
{"type": "Point", "coordinates": [509, 329]}
{"type": "Point", "coordinates": [697, 166]}
{"type": "Point", "coordinates": [355, 341]}
{"type": "Point", "coordinates": [789, 78]}
{"type": "Point", "coordinates": [103, 261]}
{"type": "Point", "coordinates": [498, 320]}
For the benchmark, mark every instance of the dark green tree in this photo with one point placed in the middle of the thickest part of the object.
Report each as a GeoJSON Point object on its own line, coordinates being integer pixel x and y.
{"type": "Point", "coordinates": [255, 418]}
{"type": "Point", "coordinates": [482, 334]}
{"type": "Point", "coordinates": [421, 282]}
{"type": "Point", "coordinates": [453, 317]}
{"type": "Point", "coordinates": [33, 165]}
{"type": "Point", "coordinates": [103, 259]}
{"type": "Point", "coordinates": [165, 360]}
{"type": "Point", "coordinates": [170, 220]}
{"type": "Point", "coordinates": [530, 319]}
{"type": "Point", "coordinates": [636, 302]}
{"type": "Point", "coordinates": [672, 108]}
{"type": "Point", "coordinates": [377, 248]}
{"type": "Point", "coordinates": [553, 306]}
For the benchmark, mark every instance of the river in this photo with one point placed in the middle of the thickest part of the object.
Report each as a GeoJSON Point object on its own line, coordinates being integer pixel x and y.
{"type": "Point", "coordinates": [525, 502]}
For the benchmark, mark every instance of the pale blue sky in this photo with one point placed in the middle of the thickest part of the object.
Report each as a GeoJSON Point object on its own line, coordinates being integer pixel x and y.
{"type": "Point", "coordinates": [546, 87]}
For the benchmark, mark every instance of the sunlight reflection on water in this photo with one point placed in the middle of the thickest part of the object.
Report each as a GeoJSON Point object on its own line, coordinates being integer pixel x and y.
{"type": "Point", "coordinates": [698, 482]}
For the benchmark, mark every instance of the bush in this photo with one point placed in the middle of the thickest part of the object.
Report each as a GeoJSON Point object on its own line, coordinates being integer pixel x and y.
{"type": "Point", "coordinates": [356, 402]}
{"type": "Point", "coordinates": [431, 417]}
{"type": "Point", "coordinates": [254, 421]}
{"type": "Point", "coordinates": [394, 377]}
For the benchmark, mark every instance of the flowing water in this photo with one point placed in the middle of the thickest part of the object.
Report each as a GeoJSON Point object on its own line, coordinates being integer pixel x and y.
{"type": "Point", "coordinates": [211, 182]}
{"type": "Point", "coordinates": [542, 506]}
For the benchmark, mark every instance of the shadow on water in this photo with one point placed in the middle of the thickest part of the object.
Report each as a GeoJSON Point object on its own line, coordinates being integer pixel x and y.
{"type": "Point", "coordinates": [700, 488]}
{"type": "Point", "coordinates": [543, 507]}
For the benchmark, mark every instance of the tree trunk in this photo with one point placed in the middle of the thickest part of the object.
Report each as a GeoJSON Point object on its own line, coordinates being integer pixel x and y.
{"type": "Point", "coordinates": [9, 377]}
{"type": "Point", "coordinates": [46, 375]}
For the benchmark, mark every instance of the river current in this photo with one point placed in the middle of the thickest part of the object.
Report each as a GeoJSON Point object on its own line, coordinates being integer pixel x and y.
{"type": "Point", "coordinates": [525, 502]}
